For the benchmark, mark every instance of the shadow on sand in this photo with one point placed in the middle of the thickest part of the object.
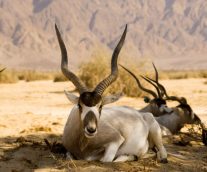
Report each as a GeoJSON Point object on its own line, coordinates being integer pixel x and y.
{"type": "Point", "coordinates": [30, 153]}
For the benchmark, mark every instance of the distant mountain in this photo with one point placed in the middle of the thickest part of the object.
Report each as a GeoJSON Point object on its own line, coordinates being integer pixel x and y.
{"type": "Point", "coordinates": [173, 33]}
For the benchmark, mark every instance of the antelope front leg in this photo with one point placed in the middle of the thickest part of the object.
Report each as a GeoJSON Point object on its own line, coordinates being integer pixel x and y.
{"type": "Point", "coordinates": [111, 150]}
{"type": "Point", "coordinates": [156, 136]}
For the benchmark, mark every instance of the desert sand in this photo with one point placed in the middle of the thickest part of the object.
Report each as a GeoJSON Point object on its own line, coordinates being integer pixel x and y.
{"type": "Point", "coordinates": [32, 111]}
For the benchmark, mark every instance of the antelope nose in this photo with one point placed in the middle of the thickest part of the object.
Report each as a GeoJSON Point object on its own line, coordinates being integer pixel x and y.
{"type": "Point", "coordinates": [91, 129]}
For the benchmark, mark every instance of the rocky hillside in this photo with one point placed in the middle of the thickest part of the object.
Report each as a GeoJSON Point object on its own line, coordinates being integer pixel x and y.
{"type": "Point", "coordinates": [172, 33]}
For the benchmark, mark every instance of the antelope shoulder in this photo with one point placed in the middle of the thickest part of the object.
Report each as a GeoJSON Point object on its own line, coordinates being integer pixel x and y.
{"type": "Point", "coordinates": [132, 127]}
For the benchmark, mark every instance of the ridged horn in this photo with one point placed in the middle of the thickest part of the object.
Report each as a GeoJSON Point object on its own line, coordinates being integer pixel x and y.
{"type": "Point", "coordinates": [156, 87]}
{"type": "Point", "coordinates": [64, 65]}
{"type": "Point", "coordinates": [157, 78]}
{"type": "Point", "coordinates": [161, 87]}
{"type": "Point", "coordinates": [100, 88]}
{"type": "Point", "coordinates": [156, 72]}
{"type": "Point", "coordinates": [139, 84]}
{"type": "Point", "coordinates": [181, 100]}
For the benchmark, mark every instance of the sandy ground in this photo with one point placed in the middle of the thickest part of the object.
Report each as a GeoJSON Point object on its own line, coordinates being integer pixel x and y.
{"type": "Point", "coordinates": [30, 112]}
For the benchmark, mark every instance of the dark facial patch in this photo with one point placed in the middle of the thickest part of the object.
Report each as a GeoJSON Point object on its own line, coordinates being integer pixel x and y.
{"type": "Point", "coordinates": [90, 98]}
{"type": "Point", "coordinates": [159, 102]}
{"type": "Point", "coordinates": [90, 117]}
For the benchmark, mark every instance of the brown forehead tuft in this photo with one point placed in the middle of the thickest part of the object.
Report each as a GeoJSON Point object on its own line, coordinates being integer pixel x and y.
{"type": "Point", "coordinates": [159, 101]}
{"type": "Point", "coordinates": [90, 98]}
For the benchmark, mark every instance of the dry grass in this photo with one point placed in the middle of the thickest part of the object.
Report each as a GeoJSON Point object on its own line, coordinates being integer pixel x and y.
{"type": "Point", "coordinates": [94, 71]}
{"type": "Point", "coordinates": [13, 76]}
{"type": "Point", "coordinates": [59, 77]}
{"type": "Point", "coordinates": [8, 76]}
{"type": "Point", "coordinates": [32, 75]}
{"type": "Point", "coordinates": [171, 74]}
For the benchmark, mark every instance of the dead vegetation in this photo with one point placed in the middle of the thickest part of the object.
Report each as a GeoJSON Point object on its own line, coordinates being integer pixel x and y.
{"type": "Point", "coordinates": [13, 76]}
{"type": "Point", "coordinates": [99, 69]}
{"type": "Point", "coordinates": [186, 74]}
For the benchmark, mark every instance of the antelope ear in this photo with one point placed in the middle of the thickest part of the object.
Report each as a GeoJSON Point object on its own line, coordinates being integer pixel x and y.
{"type": "Point", "coordinates": [147, 99]}
{"type": "Point", "coordinates": [111, 98]}
{"type": "Point", "coordinates": [72, 97]}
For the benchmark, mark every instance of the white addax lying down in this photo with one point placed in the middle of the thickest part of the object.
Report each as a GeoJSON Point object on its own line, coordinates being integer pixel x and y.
{"type": "Point", "coordinates": [107, 134]}
{"type": "Point", "coordinates": [171, 120]}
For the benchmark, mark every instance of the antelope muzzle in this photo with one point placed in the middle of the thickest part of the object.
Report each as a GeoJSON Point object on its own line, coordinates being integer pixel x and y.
{"type": "Point", "coordinates": [90, 124]}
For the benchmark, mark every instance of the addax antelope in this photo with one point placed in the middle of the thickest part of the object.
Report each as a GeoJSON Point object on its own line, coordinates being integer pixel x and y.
{"type": "Point", "coordinates": [173, 119]}
{"type": "Point", "coordinates": [184, 112]}
{"type": "Point", "coordinates": [95, 132]}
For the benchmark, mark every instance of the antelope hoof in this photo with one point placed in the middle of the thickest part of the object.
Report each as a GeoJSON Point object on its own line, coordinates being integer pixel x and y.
{"type": "Point", "coordinates": [164, 161]}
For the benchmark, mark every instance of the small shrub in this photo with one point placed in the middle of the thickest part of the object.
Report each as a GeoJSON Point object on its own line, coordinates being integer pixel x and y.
{"type": "Point", "coordinates": [171, 74]}
{"type": "Point", "coordinates": [96, 70]}
{"type": "Point", "coordinates": [59, 78]}
{"type": "Point", "coordinates": [13, 76]}
{"type": "Point", "coordinates": [8, 76]}
{"type": "Point", "coordinates": [34, 76]}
